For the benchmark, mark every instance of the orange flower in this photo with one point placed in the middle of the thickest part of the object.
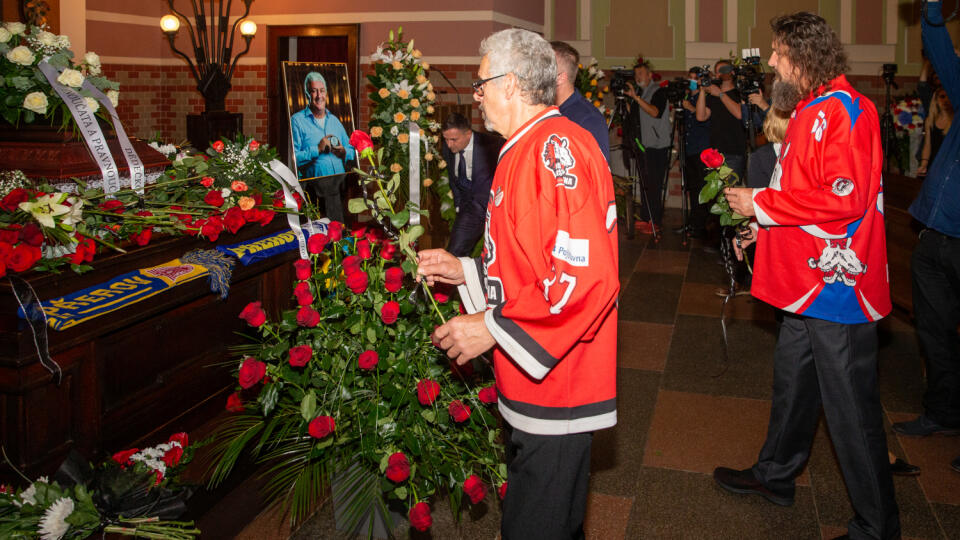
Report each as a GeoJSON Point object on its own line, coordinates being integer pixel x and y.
{"type": "Point", "coordinates": [397, 65]}
{"type": "Point", "coordinates": [384, 93]}
{"type": "Point", "coordinates": [421, 79]}
{"type": "Point", "coordinates": [376, 131]}
{"type": "Point", "coordinates": [238, 185]}
{"type": "Point", "coordinates": [403, 138]}
{"type": "Point", "coordinates": [395, 168]}
{"type": "Point", "coordinates": [414, 103]}
{"type": "Point", "coordinates": [403, 94]}
{"type": "Point", "coordinates": [426, 65]}
{"type": "Point", "coordinates": [246, 203]}
{"type": "Point", "coordinates": [427, 182]}
{"type": "Point", "coordinates": [415, 115]}
{"type": "Point", "coordinates": [429, 109]}
{"type": "Point", "coordinates": [399, 117]}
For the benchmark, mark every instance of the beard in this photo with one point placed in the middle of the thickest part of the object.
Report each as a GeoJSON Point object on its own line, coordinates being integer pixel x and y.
{"type": "Point", "coordinates": [785, 95]}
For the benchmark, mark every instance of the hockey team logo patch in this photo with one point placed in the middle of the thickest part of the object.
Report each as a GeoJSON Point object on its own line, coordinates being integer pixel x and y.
{"type": "Point", "coordinates": [842, 187]}
{"type": "Point", "coordinates": [558, 159]}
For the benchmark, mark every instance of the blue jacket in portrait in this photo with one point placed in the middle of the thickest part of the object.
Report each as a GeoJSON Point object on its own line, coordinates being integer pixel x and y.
{"type": "Point", "coordinates": [307, 134]}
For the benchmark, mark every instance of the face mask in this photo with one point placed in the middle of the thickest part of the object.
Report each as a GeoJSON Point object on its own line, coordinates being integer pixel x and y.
{"type": "Point", "coordinates": [693, 84]}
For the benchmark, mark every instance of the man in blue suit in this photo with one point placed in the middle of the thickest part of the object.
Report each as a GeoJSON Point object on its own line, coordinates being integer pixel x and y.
{"type": "Point", "coordinates": [471, 158]}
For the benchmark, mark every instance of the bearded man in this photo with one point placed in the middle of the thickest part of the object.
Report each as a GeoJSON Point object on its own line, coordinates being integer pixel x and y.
{"type": "Point", "coordinates": [821, 259]}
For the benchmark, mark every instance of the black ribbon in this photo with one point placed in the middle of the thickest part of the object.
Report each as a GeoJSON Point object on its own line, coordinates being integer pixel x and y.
{"type": "Point", "coordinates": [37, 319]}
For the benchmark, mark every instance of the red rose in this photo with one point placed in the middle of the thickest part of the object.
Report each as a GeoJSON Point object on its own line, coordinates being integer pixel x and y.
{"type": "Point", "coordinates": [9, 236]}
{"type": "Point", "coordinates": [206, 181]}
{"type": "Point", "coordinates": [142, 238]}
{"type": "Point", "coordinates": [441, 297]}
{"type": "Point", "coordinates": [316, 242]}
{"type": "Point", "coordinates": [420, 517]}
{"type": "Point", "coordinates": [253, 314]}
{"type": "Point", "coordinates": [474, 488]}
{"type": "Point", "coordinates": [363, 249]}
{"type": "Point", "coordinates": [351, 264]}
{"type": "Point", "coordinates": [112, 205]}
{"type": "Point", "coordinates": [123, 457]}
{"type": "Point", "coordinates": [388, 250]}
{"type": "Point", "coordinates": [389, 312]}
{"type": "Point", "coordinates": [427, 391]}
{"type": "Point", "coordinates": [233, 219]}
{"type": "Point", "coordinates": [502, 491]}
{"type": "Point", "coordinates": [362, 143]}
{"type": "Point", "coordinates": [357, 282]}
{"type": "Point", "coordinates": [393, 279]}
{"type": "Point", "coordinates": [23, 257]}
{"type": "Point", "coordinates": [488, 394]}
{"type": "Point", "coordinates": [321, 426]}
{"type": "Point", "coordinates": [300, 355]}
{"type": "Point", "coordinates": [214, 198]}
{"type": "Point", "coordinates": [234, 403]}
{"type": "Point", "coordinates": [251, 372]}
{"type": "Point", "coordinates": [218, 146]}
{"type": "Point", "coordinates": [711, 158]}
{"type": "Point", "coordinates": [299, 199]}
{"type": "Point", "coordinates": [664, 84]}
{"type": "Point", "coordinates": [303, 268]}
{"type": "Point", "coordinates": [172, 456]}
{"type": "Point", "coordinates": [461, 309]}
{"type": "Point", "coordinates": [251, 215]}
{"type": "Point", "coordinates": [31, 234]}
{"type": "Point", "coordinates": [374, 236]}
{"type": "Point", "coordinates": [458, 411]}
{"type": "Point", "coordinates": [13, 199]}
{"type": "Point", "coordinates": [335, 231]}
{"type": "Point", "coordinates": [307, 316]}
{"type": "Point", "coordinates": [212, 228]}
{"type": "Point", "coordinates": [266, 216]}
{"type": "Point", "coordinates": [302, 292]}
{"type": "Point", "coordinates": [84, 251]}
{"type": "Point", "coordinates": [656, 76]}
{"type": "Point", "coordinates": [398, 468]}
{"type": "Point", "coordinates": [359, 232]}
{"type": "Point", "coordinates": [254, 145]}
{"type": "Point", "coordinates": [368, 359]}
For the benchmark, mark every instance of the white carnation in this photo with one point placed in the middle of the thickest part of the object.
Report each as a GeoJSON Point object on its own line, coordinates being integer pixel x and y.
{"type": "Point", "coordinates": [225, 192]}
{"type": "Point", "coordinates": [47, 39]}
{"type": "Point", "coordinates": [93, 104]}
{"type": "Point", "coordinates": [63, 42]}
{"type": "Point", "coordinates": [21, 55]}
{"type": "Point", "coordinates": [114, 97]}
{"type": "Point", "coordinates": [71, 77]}
{"type": "Point", "coordinates": [53, 524]}
{"type": "Point", "coordinates": [36, 102]}
{"type": "Point", "coordinates": [5, 35]}
{"type": "Point", "coordinates": [15, 28]}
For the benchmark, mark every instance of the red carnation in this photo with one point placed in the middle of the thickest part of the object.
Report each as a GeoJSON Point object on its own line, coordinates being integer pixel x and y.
{"type": "Point", "coordinates": [335, 231]}
{"type": "Point", "coordinates": [488, 394]}
{"type": "Point", "coordinates": [302, 292]}
{"type": "Point", "coordinates": [316, 242]}
{"type": "Point", "coordinates": [253, 314]}
{"type": "Point", "coordinates": [362, 143]}
{"type": "Point", "coordinates": [502, 491]}
{"type": "Point", "coordinates": [420, 517]}
{"type": "Point", "coordinates": [474, 488]}
{"type": "Point", "coordinates": [711, 158]}
{"type": "Point", "coordinates": [23, 257]}
{"type": "Point", "coordinates": [123, 457]}
{"type": "Point", "coordinates": [321, 426]}
{"type": "Point", "coordinates": [368, 359]}
{"type": "Point", "coordinates": [113, 205]}
{"type": "Point", "coordinates": [251, 372]}
{"type": "Point", "coordinates": [13, 199]}
{"type": "Point", "coordinates": [308, 317]}
{"type": "Point", "coordinates": [214, 198]}
{"type": "Point", "coordinates": [351, 264]}
{"type": "Point", "coordinates": [363, 249]}
{"type": "Point", "coordinates": [254, 145]}
{"type": "Point", "coordinates": [393, 279]}
{"type": "Point", "coordinates": [389, 312]}
{"type": "Point", "coordinates": [31, 234]}
{"type": "Point", "coordinates": [233, 219]}
{"type": "Point", "coordinates": [206, 181]}
{"type": "Point", "coordinates": [427, 391]}
{"type": "Point", "coordinates": [398, 468]}
{"type": "Point", "coordinates": [172, 456]}
{"type": "Point", "coordinates": [218, 146]}
{"type": "Point", "coordinates": [300, 355]}
{"type": "Point", "coordinates": [234, 403]}
{"type": "Point", "coordinates": [459, 411]}
{"type": "Point", "coordinates": [388, 250]}
{"type": "Point", "coordinates": [303, 268]}
{"type": "Point", "coordinates": [357, 282]}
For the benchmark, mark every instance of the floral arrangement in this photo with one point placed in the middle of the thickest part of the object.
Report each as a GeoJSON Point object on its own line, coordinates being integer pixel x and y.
{"type": "Point", "coordinates": [908, 115]}
{"type": "Point", "coordinates": [402, 93]}
{"type": "Point", "coordinates": [588, 83]}
{"type": "Point", "coordinates": [348, 383]}
{"type": "Point", "coordinates": [133, 494]}
{"type": "Point", "coordinates": [26, 95]}
{"type": "Point", "coordinates": [202, 195]}
{"type": "Point", "coordinates": [720, 176]}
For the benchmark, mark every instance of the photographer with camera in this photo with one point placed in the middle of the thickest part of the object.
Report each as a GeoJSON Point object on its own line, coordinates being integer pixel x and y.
{"type": "Point", "coordinates": [696, 140]}
{"type": "Point", "coordinates": [647, 121]}
{"type": "Point", "coordinates": [720, 103]}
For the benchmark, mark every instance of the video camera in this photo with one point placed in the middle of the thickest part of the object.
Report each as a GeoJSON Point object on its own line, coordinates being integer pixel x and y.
{"type": "Point", "coordinates": [618, 85]}
{"type": "Point", "coordinates": [703, 76]}
{"type": "Point", "coordinates": [748, 74]}
{"type": "Point", "coordinates": [677, 90]}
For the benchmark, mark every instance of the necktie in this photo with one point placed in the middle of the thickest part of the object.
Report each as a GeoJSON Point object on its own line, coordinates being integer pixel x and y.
{"type": "Point", "coordinates": [462, 168]}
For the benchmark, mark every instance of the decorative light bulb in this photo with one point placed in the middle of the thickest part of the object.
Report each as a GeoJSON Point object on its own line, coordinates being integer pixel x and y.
{"type": "Point", "coordinates": [248, 28]}
{"type": "Point", "coordinates": [169, 24]}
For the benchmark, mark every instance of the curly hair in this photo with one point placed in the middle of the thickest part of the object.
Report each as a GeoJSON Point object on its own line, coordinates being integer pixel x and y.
{"type": "Point", "coordinates": [812, 47]}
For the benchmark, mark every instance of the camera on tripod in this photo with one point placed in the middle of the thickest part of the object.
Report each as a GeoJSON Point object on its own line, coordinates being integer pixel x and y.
{"type": "Point", "coordinates": [703, 76]}
{"type": "Point", "coordinates": [618, 85]}
{"type": "Point", "coordinates": [748, 74]}
{"type": "Point", "coordinates": [889, 72]}
{"type": "Point", "coordinates": [677, 91]}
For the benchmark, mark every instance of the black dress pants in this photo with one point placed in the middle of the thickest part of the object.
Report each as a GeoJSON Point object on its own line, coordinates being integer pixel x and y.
{"type": "Point", "coordinates": [935, 269]}
{"type": "Point", "coordinates": [547, 483]}
{"type": "Point", "coordinates": [821, 362]}
{"type": "Point", "coordinates": [654, 182]}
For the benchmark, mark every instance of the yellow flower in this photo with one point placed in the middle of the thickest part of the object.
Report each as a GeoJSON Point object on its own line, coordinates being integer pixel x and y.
{"type": "Point", "coordinates": [421, 79]}
{"type": "Point", "coordinates": [399, 117]}
{"type": "Point", "coordinates": [428, 156]}
{"type": "Point", "coordinates": [414, 103]}
{"type": "Point", "coordinates": [416, 53]}
{"type": "Point", "coordinates": [597, 103]}
{"type": "Point", "coordinates": [376, 131]}
{"type": "Point", "coordinates": [579, 66]}
{"type": "Point", "coordinates": [593, 82]}
{"type": "Point", "coordinates": [430, 87]}
{"type": "Point", "coordinates": [403, 94]}
{"type": "Point", "coordinates": [403, 138]}
{"type": "Point", "coordinates": [427, 182]}
{"type": "Point", "coordinates": [326, 264]}
{"type": "Point", "coordinates": [397, 65]}
{"type": "Point", "coordinates": [246, 203]}
{"type": "Point", "coordinates": [442, 164]}
{"type": "Point", "coordinates": [431, 96]}
{"type": "Point", "coordinates": [395, 168]}
{"type": "Point", "coordinates": [426, 65]}
{"type": "Point", "coordinates": [415, 115]}
{"type": "Point", "coordinates": [430, 109]}
{"type": "Point", "coordinates": [384, 93]}
{"type": "Point", "coordinates": [588, 95]}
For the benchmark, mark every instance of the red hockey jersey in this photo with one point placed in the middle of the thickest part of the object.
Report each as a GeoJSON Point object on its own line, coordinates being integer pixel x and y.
{"type": "Point", "coordinates": [548, 279]}
{"type": "Point", "coordinates": [823, 251]}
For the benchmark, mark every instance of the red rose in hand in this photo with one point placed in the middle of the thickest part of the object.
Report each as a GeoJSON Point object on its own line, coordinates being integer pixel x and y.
{"type": "Point", "coordinates": [303, 268]}
{"type": "Point", "coordinates": [253, 314]}
{"type": "Point", "coordinates": [251, 372]}
{"type": "Point", "coordinates": [357, 282]}
{"type": "Point", "coordinates": [31, 234]}
{"type": "Point", "coordinates": [335, 231]}
{"type": "Point", "coordinates": [112, 205]}
{"type": "Point", "coordinates": [711, 158]}
{"type": "Point", "coordinates": [389, 312]}
{"type": "Point", "coordinates": [254, 145]}
{"type": "Point", "coordinates": [23, 257]}
{"type": "Point", "coordinates": [218, 146]}
{"type": "Point", "coordinates": [502, 491]}
{"type": "Point", "coordinates": [300, 355]}
{"type": "Point", "coordinates": [420, 517]}
{"type": "Point", "coordinates": [351, 264]}
{"type": "Point", "coordinates": [474, 488]}
{"type": "Point", "coordinates": [214, 198]}
{"type": "Point", "coordinates": [388, 250]}
{"type": "Point", "coordinates": [398, 468]}
{"type": "Point", "coordinates": [13, 199]}
{"type": "Point", "coordinates": [302, 292]}
{"type": "Point", "coordinates": [427, 391]}
{"type": "Point", "coordinates": [206, 181]}
{"type": "Point", "coordinates": [321, 426]}
{"type": "Point", "coordinates": [368, 359]}
{"type": "Point", "coordinates": [316, 243]}
{"type": "Point", "coordinates": [234, 403]}
{"type": "Point", "coordinates": [308, 317]}
{"type": "Point", "coordinates": [488, 394]}
{"type": "Point", "coordinates": [441, 297]}
{"type": "Point", "coordinates": [362, 143]}
{"type": "Point", "coordinates": [363, 249]}
{"type": "Point", "coordinates": [123, 457]}
{"type": "Point", "coordinates": [233, 219]}
{"type": "Point", "coordinates": [458, 411]}
{"type": "Point", "coordinates": [393, 279]}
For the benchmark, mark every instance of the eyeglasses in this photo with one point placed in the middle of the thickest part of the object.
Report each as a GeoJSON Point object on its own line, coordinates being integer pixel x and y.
{"type": "Point", "coordinates": [478, 85]}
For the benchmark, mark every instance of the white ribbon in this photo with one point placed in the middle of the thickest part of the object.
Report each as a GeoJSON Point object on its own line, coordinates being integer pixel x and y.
{"type": "Point", "coordinates": [282, 174]}
{"type": "Point", "coordinates": [137, 179]}
{"type": "Point", "coordinates": [414, 170]}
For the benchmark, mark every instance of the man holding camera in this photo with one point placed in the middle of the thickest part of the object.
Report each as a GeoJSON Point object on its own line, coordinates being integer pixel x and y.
{"type": "Point", "coordinates": [697, 139]}
{"type": "Point", "coordinates": [647, 122]}
{"type": "Point", "coordinates": [719, 102]}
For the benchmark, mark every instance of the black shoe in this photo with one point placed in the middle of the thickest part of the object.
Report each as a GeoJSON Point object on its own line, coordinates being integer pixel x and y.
{"type": "Point", "coordinates": [902, 468]}
{"type": "Point", "coordinates": [922, 426]}
{"type": "Point", "coordinates": [745, 482]}
{"type": "Point", "coordinates": [955, 464]}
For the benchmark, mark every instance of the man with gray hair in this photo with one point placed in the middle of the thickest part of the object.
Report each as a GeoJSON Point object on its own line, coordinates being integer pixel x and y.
{"type": "Point", "coordinates": [543, 295]}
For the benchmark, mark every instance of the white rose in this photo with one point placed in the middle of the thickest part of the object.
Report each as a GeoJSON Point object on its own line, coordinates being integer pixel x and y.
{"type": "Point", "coordinates": [92, 103]}
{"type": "Point", "coordinates": [114, 97]}
{"type": "Point", "coordinates": [71, 77]}
{"type": "Point", "coordinates": [63, 42]}
{"type": "Point", "coordinates": [47, 39]}
{"type": "Point", "coordinates": [36, 102]}
{"type": "Point", "coordinates": [15, 28]}
{"type": "Point", "coordinates": [5, 35]}
{"type": "Point", "coordinates": [92, 58]}
{"type": "Point", "coordinates": [21, 55]}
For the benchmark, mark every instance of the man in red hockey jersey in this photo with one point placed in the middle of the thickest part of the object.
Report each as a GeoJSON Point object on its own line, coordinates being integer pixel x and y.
{"type": "Point", "coordinates": [821, 259]}
{"type": "Point", "coordinates": [543, 295]}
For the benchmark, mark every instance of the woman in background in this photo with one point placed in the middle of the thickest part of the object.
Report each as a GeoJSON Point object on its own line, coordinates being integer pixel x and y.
{"type": "Point", "coordinates": [936, 125]}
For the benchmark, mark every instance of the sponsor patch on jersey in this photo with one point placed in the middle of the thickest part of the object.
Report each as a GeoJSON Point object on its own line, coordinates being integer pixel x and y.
{"type": "Point", "coordinates": [842, 187]}
{"type": "Point", "coordinates": [574, 251]}
{"type": "Point", "coordinates": [558, 159]}
{"type": "Point", "coordinates": [611, 216]}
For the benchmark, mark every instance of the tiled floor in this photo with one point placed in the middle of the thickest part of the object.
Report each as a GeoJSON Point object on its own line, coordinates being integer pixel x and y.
{"type": "Point", "coordinates": [684, 408]}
